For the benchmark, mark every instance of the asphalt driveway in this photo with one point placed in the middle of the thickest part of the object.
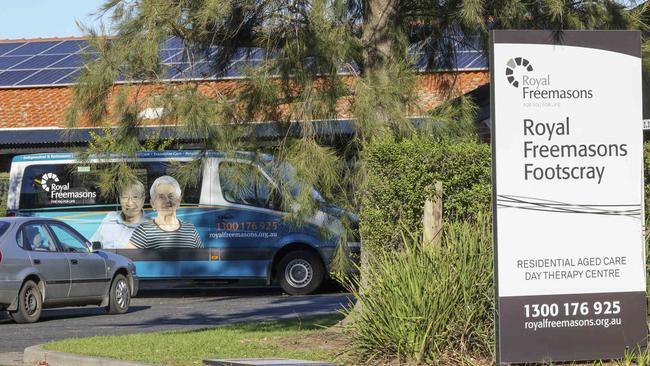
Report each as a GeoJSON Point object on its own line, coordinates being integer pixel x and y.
{"type": "Point", "coordinates": [177, 309]}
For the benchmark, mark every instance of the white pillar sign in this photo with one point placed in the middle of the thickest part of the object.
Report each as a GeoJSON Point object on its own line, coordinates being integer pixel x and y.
{"type": "Point", "coordinates": [568, 194]}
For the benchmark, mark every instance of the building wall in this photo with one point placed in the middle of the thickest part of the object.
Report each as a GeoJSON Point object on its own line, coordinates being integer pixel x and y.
{"type": "Point", "coordinates": [46, 106]}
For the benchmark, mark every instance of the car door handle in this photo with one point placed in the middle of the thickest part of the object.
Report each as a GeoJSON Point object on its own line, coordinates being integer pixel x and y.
{"type": "Point", "coordinates": [74, 261]}
{"type": "Point", "coordinates": [36, 261]}
{"type": "Point", "coordinates": [226, 217]}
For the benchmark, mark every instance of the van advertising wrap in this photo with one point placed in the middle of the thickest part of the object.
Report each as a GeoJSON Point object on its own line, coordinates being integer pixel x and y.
{"type": "Point", "coordinates": [219, 227]}
{"type": "Point", "coordinates": [568, 195]}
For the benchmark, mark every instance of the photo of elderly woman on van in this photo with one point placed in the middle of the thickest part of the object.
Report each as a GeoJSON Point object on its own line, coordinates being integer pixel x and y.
{"type": "Point", "coordinates": [117, 227]}
{"type": "Point", "coordinates": [165, 230]}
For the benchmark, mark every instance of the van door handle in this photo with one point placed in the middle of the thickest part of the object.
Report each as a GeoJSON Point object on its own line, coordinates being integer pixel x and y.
{"type": "Point", "coordinates": [36, 261]}
{"type": "Point", "coordinates": [226, 217]}
{"type": "Point", "coordinates": [74, 261]}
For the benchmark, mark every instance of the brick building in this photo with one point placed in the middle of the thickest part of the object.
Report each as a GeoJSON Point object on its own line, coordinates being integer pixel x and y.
{"type": "Point", "coordinates": [36, 78]}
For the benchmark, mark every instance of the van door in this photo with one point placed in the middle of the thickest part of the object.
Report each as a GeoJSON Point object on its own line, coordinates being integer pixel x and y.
{"type": "Point", "coordinates": [247, 224]}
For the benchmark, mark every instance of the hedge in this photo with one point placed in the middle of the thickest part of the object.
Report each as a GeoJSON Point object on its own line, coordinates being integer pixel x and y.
{"type": "Point", "coordinates": [399, 174]}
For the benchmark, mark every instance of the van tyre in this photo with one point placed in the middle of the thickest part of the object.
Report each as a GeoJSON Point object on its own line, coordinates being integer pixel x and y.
{"type": "Point", "coordinates": [30, 304]}
{"type": "Point", "coordinates": [300, 272]}
{"type": "Point", "coordinates": [120, 295]}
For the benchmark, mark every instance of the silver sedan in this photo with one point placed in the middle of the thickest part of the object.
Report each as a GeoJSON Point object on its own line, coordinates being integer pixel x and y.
{"type": "Point", "coordinates": [45, 263]}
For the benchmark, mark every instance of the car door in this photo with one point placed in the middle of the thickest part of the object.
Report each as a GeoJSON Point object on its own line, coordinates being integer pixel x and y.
{"type": "Point", "coordinates": [46, 257]}
{"type": "Point", "coordinates": [87, 268]}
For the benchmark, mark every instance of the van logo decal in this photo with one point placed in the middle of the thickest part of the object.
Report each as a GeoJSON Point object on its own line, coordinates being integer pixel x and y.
{"type": "Point", "coordinates": [47, 180]}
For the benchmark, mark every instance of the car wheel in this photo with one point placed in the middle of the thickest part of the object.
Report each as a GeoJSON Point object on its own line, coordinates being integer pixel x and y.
{"type": "Point", "coordinates": [120, 296]}
{"type": "Point", "coordinates": [300, 272]}
{"type": "Point", "coordinates": [30, 304]}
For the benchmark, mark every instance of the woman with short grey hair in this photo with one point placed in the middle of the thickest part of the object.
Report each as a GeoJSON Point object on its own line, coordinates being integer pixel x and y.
{"type": "Point", "coordinates": [165, 230]}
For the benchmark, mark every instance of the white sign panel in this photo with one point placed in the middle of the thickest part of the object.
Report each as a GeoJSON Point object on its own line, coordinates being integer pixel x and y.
{"type": "Point", "coordinates": [568, 188]}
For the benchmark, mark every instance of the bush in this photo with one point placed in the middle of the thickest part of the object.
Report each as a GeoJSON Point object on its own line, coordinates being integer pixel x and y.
{"type": "Point", "coordinates": [422, 302]}
{"type": "Point", "coordinates": [399, 176]}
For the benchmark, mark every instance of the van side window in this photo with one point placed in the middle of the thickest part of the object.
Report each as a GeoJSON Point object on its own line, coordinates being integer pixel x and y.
{"type": "Point", "coordinates": [191, 193]}
{"type": "Point", "coordinates": [62, 186]}
{"type": "Point", "coordinates": [245, 184]}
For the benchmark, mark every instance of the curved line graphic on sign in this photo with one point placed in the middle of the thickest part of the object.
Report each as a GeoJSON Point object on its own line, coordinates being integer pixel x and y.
{"type": "Point", "coordinates": [539, 204]}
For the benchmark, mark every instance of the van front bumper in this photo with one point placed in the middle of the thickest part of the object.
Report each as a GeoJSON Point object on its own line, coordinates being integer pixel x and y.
{"type": "Point", "coordinates": [135, 285]}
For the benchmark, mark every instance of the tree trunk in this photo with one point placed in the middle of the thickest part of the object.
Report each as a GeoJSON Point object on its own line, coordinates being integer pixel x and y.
{"type": "Point", "coordinates": [376, 38]}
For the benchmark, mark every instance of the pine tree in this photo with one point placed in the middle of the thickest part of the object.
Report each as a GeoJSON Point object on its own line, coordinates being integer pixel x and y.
{"type": "Point", "coordinates": [320, 60]}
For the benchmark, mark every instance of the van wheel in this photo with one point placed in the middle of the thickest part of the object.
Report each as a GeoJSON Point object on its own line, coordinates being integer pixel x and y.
{"type": "Point", "coordinates": [120, 296]}
{"type": "Point", "coordinates": [300, 272]}
{"type": "Point", "coordinates": [30, 304]}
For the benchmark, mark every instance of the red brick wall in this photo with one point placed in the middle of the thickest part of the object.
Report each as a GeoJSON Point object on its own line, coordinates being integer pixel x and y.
{"type": "Point", "coordinates": [45, 107]}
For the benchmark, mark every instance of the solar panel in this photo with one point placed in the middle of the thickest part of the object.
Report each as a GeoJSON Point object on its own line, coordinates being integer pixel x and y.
{"type": "Point", "coordinates": [174, 56]}
{"type": "Point", "coordinates": [59, 62]}
{"type": "Point", "coordinates": [464, 59]}
{"type": "Point", "coordinates": [173, 43]}
{"type": "Point", "coordinates": [44, 77]}
{"type": "Point", "coordinates": [7, 47]}
{"type": "Point", "coordinates": [479, 63]}
{"type": "Point", "coordinates": [74, 60]}
{"type": "Point", "coordinates": [70, 78]}
{"type": "Point", "coordinates": [7, 62]}
{"type": "Point", "coordinates": [32, 48]}
{"type": "Point", "coordinates": [38, 62]}
{"type": "Point", "coordinates": [67, 47]}
{"type": "Point", "coordinates": [12, 77]}
{"type": "Point", "coordinates": [170, 55]}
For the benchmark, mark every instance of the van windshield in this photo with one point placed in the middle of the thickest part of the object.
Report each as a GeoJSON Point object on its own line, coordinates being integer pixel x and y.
{"type": "Point", "coordinates": [287, 173]}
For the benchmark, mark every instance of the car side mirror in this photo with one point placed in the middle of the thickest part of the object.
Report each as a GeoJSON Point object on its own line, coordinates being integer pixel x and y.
{"type": "Point", "coordinates": [97, 245]}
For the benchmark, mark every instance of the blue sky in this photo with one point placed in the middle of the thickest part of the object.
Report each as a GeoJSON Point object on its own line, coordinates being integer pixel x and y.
{"type": "Point", "coordinates": [45, 18]}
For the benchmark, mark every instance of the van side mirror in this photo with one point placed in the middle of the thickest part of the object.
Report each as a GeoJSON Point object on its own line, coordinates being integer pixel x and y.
{"type": "Point", "coordinates": [97, 245]}
{"type": "Point", "coordinates": [275, 200]}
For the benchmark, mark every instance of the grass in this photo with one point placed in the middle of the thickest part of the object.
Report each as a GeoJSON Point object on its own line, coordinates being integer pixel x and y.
{"type": "Point", "coordinates": [297, 338]}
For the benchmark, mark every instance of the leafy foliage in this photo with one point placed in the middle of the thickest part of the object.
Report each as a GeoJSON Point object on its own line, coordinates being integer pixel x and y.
{"type": "Point", "coordinates": [318, 60]}
{"type": "Point", "coordinates": [400, 176]}
{"type": "Point", "coordinates": [422, 303]}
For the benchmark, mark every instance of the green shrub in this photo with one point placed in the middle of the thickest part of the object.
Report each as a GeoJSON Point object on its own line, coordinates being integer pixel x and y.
{"type": "Point", "coordinates": [399, 176]}
{"type": "Point", "coordinates": [421, 303]}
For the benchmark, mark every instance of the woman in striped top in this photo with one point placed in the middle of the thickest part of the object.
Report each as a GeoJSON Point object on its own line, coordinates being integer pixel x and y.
{"type": "Point", "coordinates": [165, 231]}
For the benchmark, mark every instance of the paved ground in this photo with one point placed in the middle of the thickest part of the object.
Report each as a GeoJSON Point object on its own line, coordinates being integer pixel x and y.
{"type": "Point", "coordinates": [156, 311]}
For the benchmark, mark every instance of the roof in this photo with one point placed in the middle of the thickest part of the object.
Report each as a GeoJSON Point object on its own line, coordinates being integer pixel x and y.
{"type": "Point", "coordinates": [80, 136]}
{"type": "Point", "coordinates": [58, 61]}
